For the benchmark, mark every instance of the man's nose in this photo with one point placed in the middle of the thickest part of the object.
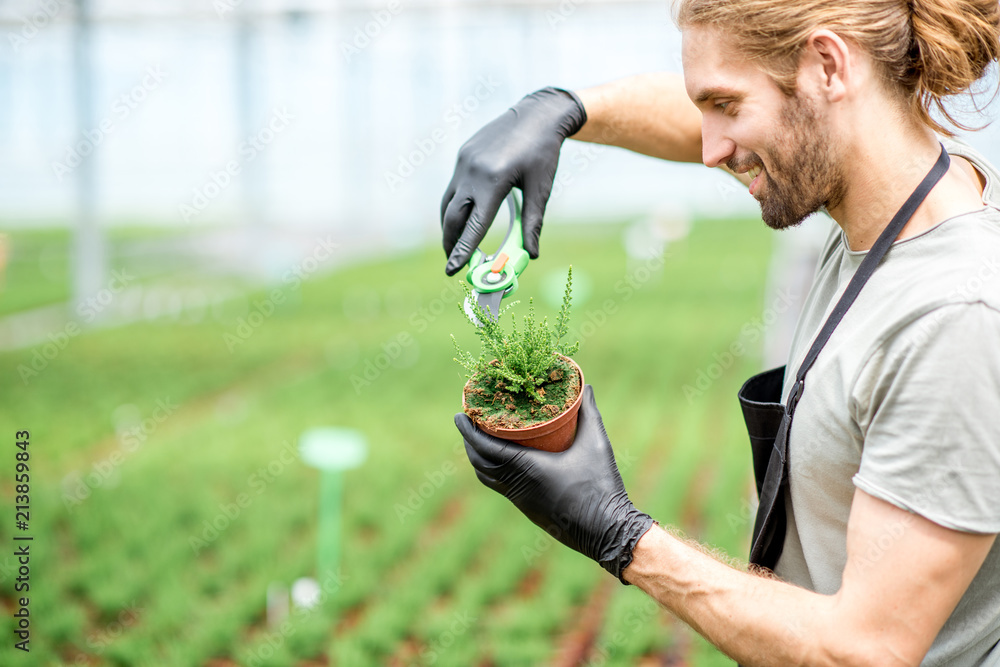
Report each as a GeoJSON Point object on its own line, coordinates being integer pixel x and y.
{"type": "Point", "coordinates": [716, 149]}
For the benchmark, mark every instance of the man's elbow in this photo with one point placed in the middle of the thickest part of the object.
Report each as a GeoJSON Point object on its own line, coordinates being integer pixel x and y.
{"type": "Point", "coordinates": [852, 649]}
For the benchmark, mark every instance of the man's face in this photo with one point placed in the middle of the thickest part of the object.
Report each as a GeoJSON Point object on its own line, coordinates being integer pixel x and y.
{"type": "Point", "coordinates": [748, 124]}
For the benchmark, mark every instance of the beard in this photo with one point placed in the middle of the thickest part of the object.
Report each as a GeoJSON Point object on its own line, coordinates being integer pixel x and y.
{"type": "Point", "coordinates": [804, 174]}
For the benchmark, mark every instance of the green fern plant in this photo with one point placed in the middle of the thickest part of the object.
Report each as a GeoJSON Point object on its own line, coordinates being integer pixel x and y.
{"type": "Point", "coordinates": [519, 361]}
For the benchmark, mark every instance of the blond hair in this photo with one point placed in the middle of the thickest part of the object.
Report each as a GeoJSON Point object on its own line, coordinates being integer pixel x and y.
{"type": "Point", "coordinates": [924, 50]}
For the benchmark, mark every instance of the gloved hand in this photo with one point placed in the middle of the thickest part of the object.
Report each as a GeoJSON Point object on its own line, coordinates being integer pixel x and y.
{"type": "Point", "coordinates": [518, 149]}
{"type": "Point", "coordinates": [576, 496]}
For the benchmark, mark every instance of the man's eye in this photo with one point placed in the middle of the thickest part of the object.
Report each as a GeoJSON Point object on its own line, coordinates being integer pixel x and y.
{"type": "Point", "coordinates": [722, 105]}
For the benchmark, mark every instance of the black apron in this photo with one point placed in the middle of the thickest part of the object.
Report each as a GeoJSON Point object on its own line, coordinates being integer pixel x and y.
{"type": "Point", "coordinates": [769, 422]}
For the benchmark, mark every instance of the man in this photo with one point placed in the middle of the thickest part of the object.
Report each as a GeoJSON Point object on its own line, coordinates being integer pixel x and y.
{"type": "Point", "coordinates": [892, 496]}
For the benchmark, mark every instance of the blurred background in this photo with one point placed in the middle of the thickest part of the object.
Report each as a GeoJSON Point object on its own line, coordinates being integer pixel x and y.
{"type": "Point", "coordinates": [219, 243]}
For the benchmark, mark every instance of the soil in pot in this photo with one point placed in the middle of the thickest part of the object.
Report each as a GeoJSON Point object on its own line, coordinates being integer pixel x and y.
{"type": "Point", "coordinates": [493, 406]}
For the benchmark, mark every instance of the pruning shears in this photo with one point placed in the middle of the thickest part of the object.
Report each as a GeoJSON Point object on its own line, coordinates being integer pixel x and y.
{"type": "Point", "coordinates": [494, 277]}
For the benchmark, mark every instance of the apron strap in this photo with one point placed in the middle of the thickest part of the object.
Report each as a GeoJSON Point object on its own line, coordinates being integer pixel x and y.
{"type": "Point", "coordinates": [867, 268]}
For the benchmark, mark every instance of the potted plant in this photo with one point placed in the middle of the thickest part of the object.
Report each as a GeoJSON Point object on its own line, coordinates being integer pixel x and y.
{"type": "Point", "coordinates": [524, 387]}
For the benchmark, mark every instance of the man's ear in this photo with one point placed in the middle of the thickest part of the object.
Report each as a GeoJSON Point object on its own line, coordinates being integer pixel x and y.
{"type": "Point", "coordinates": [825, 65]}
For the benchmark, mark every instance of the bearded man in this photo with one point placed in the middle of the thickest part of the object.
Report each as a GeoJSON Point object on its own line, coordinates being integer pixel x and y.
{"type": "Point", "coordinates": [885, 428]}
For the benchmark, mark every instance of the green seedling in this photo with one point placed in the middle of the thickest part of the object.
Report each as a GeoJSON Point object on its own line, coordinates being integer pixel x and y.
{"type": "Point", "coordinates": [522, 360]}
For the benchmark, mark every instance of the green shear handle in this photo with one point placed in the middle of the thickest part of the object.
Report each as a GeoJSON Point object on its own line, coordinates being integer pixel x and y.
{"type": "Point", "coordinates": [498, 272]}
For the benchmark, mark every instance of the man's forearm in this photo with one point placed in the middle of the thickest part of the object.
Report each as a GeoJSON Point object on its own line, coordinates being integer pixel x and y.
{"type": "Point", "coordinates": [648, 113]}
{"type": "Point", "coordinates": [753, 619]}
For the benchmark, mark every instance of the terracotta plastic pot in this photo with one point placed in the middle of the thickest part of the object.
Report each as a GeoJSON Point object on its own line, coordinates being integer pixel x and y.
{"type": "Point", "coordinates": [554, 435]}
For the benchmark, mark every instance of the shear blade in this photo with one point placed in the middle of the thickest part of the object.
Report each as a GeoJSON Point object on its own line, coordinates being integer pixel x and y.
{"type": "Point", "coordinates": [488, 301]}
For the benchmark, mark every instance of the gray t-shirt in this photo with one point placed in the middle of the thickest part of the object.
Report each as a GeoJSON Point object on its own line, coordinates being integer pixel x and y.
{"type": "Point", "coordinates": [904, 404]}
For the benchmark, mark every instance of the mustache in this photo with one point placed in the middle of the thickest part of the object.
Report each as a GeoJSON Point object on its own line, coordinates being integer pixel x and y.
{"type": "Point", "coordinates": [742, 164]}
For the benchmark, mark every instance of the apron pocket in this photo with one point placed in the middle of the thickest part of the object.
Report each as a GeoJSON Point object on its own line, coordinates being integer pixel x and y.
{"type": "Point", "coordinates": [760, 398]}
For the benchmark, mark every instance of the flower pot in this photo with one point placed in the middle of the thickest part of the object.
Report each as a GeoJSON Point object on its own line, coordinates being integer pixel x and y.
{"type": "Point", "coordinates": [554, 435]}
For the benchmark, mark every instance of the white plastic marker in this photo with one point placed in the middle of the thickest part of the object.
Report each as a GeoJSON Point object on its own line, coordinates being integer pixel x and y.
{"type": "Point", "coordinates": [277, 604]}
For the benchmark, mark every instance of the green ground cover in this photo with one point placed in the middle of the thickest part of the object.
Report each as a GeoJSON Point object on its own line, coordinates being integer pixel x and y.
{"type": "Point", "coordinates": [144, 437]}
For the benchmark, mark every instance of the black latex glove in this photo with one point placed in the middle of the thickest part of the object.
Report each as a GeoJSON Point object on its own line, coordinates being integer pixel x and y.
{"type": "Point", "coordinates": [576, 496]}
{"type": "Point", "coordinates": [518, 149]}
